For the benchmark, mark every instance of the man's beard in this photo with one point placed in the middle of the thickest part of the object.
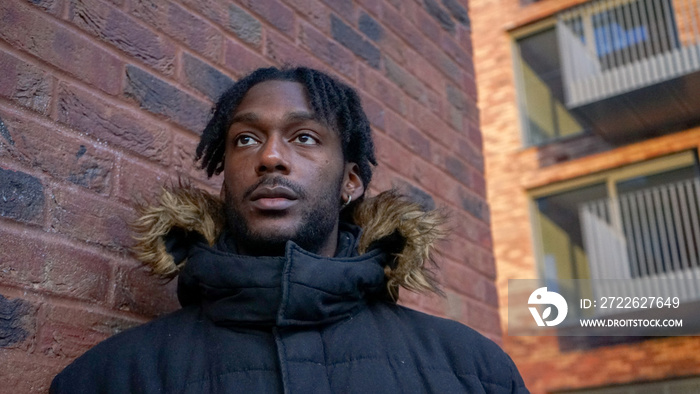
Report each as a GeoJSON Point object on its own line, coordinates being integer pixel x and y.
{"type": "Point", "coordinates": [316, 224]}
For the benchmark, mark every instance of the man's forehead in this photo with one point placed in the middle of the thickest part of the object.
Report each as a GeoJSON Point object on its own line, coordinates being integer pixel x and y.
{"type": "Point", "coordinates": [289, 99]}
{"type": "Point", "coordinates": [289, 117]}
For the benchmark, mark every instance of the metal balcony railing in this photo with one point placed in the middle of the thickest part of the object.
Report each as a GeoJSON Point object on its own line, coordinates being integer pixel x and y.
{"type": "Point", "coordinates": [609, 47]}
{"type": "Point", "coordinates": [650, 237]}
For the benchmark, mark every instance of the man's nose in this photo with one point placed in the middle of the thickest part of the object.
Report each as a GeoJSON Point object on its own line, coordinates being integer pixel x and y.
{"type": "Point", "coordinates": [274, 156]}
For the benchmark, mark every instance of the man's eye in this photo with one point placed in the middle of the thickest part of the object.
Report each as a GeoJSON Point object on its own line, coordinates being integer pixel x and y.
{"type": "Point", "coordinates": [306, 139]}
{"type": "Point", "coordinates": [245, 140]}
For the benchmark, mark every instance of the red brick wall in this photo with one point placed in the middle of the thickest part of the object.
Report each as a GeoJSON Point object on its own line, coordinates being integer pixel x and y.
{"type": "Point", "coordinates": [512, 169]}
{"type": "Point", "coordinates": [101, 102]}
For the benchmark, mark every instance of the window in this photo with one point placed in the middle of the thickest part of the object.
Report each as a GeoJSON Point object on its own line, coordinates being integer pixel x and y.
{"type": "Point", "coordinates": [600, 50]}
{"type": "Point", "coordinates": [544, 116]}
{"type": "Point", "coordinates": [620, 33]}
{"type": "Point", "coordinates": [638, 222]}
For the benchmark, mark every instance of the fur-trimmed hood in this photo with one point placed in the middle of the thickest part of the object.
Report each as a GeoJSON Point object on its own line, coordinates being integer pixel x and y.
{"type": "Point", "coordinates": [389, 220]}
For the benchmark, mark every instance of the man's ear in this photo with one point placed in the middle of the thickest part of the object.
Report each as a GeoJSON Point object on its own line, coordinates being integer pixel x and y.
{"type": "Point", "coordinates": [352, 183]}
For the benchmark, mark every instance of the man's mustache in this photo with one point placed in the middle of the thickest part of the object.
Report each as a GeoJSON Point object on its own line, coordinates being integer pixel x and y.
{"type": "Point", "coordinates": [275, 181]}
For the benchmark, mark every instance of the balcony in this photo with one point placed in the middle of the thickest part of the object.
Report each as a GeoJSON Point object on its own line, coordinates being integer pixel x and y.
{"type": "Point", "coordinates": [650, 237]}
{"type": "Point", "coordinates": [632, 67]}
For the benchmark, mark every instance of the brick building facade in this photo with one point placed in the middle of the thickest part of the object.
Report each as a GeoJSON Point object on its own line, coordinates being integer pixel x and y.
{"type": "Point", "coordinates": [102, 101]}
{"type": "Point", "coordinates": [519, 173]}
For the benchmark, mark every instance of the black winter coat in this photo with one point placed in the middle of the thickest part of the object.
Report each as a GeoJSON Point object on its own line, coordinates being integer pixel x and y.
{"type": "Point", "coordinates": [300, 323]}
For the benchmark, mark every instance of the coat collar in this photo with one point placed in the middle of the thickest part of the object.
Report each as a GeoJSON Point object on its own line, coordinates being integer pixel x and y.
{"type": "Point", "coordinates": [297, 289]}
{"type": "Point", "coordinates": [167, 231]}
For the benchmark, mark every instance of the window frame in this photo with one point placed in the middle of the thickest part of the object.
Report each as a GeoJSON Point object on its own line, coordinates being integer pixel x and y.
{"type": "Point", "coordinates": [610, 177]}
{"type": "Point", "coordinates": [518, 77]}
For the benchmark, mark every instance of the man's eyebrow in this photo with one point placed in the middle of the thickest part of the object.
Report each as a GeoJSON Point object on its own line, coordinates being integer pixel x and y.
{"type": "Point", "coordinates": [298, 116]}
{"type": "Point", "coordinates": [246, 117]}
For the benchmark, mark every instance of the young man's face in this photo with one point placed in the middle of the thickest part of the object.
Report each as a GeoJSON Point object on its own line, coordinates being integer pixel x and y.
{"type": "Point", "coordinates": [284, 175]}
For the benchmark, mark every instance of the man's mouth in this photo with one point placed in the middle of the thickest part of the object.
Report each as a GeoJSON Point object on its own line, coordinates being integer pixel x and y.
{"type": "Point", "coordinates": [275, 198]}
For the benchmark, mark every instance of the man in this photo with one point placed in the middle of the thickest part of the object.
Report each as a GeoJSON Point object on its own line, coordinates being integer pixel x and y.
{"type": "Point", "coordinates": [288, 283]}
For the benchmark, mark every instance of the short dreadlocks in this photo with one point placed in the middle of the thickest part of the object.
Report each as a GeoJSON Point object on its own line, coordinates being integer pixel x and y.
{"type": "Point", "coordinates": [334, 103]}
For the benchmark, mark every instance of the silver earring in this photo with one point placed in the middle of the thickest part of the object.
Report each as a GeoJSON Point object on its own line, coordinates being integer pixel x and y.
{"type": "Point", "coordinates": [346, 203]}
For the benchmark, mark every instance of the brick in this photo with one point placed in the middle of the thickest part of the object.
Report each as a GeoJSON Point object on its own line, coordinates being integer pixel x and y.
{"type": "Point", "coordinates": [76, 273]}
{"type": "Point", "coordinates": [392, 46]}
{"type": "Point", "coordinates": [160, 97]}
{"type": "Point", "coordinates": [338, 57]}
{"type": "Point", "coordinates": [205, 78]}
{"type": "Point", "coordinates": [112, 26]}
{"type": "Point", "coordinates": [409, 136]}
{"type": "Point", "coordinates": [352, 40]}
{"type": "Point", "coordinates": [471, 155]}
{"type": "Point", "coordinates": [140, 181]}
{"type": "Point", "coordinates": [53, 7]}
{"type": "Point", "coordinates": [372, 6]}
{"type": "Point", "coordinates": [455, 308]}
{"type": "Point", "coordinates": [279, 15]}
{"type": "Point", "coordinates": [25, 84]}
{"type": "Point", "coordinates": [450, 47]}
{"type": "Point", "coordinates": [421, 68]}
{"type": "Point", "coordinates": [458, 12]}
{"type": "Point", "coordinates": [313, 11]}
{"type": "Point", "coordinates": [374, 110]}
{"type": "Point", "coordinates": [431, 125]}
{"type": "Point", "coordinates": [214, 10]}
{"type": "Point", "coordinates": [194, 31]}
{"type": "Point", "coordinates": [62, 157]}
{"type": "Point", "coordinates": [478, 183]}
{"type": "Point", "coordinates": [444, 63]}
{"type": "Point", "coordinates": [456, 118]}
{"type": "Point", "coordinates": [27, 373]}
{"type": "Point", "coordinates": [5, 134]}
{"type": "Point", "coordinates": [177, 22]}
{"type": "Point", "coordinates": [21, 197]}
{"type": "Point", "coordinates": [440, 15]}
{"type": "Point", "coordinates": [433, 179]}
{"type": "Point", "coordinates": [140, 292]}
{"type": "Point", "coordinates": [32, 260]}
{"type": "Point", "coordinates": [17, 322]}
{"type": "Point", "coordinates": [473, 230]}
{"type": "Point", "coordinates": [390, 152]}
{"type": "Point", "coordinates": [467, 253]}
{"type": "Point", "coordinates": [370, 27]}
{"type": "Point", "coordinates": [242, 60]}
{"type": "Point", "coordinates": [373, 83]}
{"type": "Point", "coordinates": [483, 319]}
{"type": "Point", "coordinates": [106, 121]}
{"type": "Point", "coordinates": [457, 169]}
{"type": "Point", "coordinates": [282, 51]}
{"type": "Point", "coordinates": [342, 7]}
{"type": "Point", "coordinates": [418, 143]}
{"type": "Point", "coordinates": [455, 97]}
{"type": "Point", "coordinates": [404, 80]}
{"type": "Point", "coordinates": [428, 25]}
{"type": "Point", "coordinates": [475, 137]}
{"type": "Point", "coordinates": [475, 205]}
{"type": "Point", "coordinates": [244, 25]}
{"type": "Point", "coordinates": [67, 332]}
{"type": "Point", "coordinates": [406, 30]}
{"type": "Point", "coordinates": [185, 166]}
{"type": "Point", "coordinates": [20, 258]}
{"type": "Point", "coordinates": [59, 46]}
{"type": "Point", "coordinates": [418, 195]}
{"type": "Point", "coordinates": [91, 219]}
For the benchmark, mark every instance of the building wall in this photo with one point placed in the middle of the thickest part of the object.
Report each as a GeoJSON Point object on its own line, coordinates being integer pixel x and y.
{"type": "Point", "coordinates": [102, 102]}
{"type": "Point", "coordinates": [512, 169]}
